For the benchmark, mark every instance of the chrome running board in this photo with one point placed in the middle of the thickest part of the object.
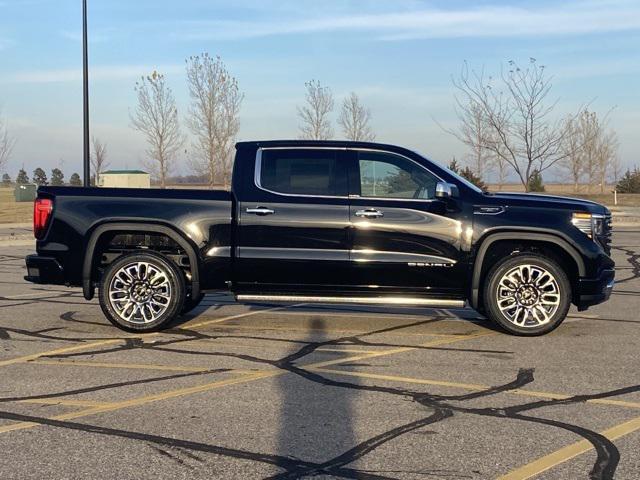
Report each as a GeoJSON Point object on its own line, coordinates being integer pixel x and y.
{"type": "Point", "coordinates": [427, 302]}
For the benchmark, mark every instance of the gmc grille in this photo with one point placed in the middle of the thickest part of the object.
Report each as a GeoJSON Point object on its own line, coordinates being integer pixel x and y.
{"type": "Point", "coordinates": [605, 238]}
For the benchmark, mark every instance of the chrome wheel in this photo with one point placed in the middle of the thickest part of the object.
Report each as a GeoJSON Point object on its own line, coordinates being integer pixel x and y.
{"type": "Point", "coordinates": [140, 292]}
{"type": "Point", "coordinates": [528, 295]}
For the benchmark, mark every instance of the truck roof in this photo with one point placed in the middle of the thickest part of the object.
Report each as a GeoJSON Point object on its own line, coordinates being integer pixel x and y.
{"type": "Point", "coordinates": [316, 143]}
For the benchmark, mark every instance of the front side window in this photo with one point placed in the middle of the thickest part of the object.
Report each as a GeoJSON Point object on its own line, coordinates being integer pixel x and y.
{"type": "Point", "coordinates": [385, 175]}
{"type": "Point", "coordinates": [302, 172]}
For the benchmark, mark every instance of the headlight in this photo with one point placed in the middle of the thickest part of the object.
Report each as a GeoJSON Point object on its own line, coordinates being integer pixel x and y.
{"type": "Point", "coordinates": [591, 224]}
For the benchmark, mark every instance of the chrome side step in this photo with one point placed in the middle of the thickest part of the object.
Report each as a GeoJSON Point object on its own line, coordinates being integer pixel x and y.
{"type": "Point", "coordinates": [427, 302]}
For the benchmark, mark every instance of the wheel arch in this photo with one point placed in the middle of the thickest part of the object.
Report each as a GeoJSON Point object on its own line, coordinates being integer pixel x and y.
{"type": "Point", "coordinates": [88, 266]}
{"type": "Point", "coordinates": [523, 237]}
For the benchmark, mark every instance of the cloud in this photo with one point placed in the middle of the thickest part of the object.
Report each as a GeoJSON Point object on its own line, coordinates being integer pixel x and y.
{"type": "Point", "coordinates": [97, 73]}
{"type": "Point", "coordinates": [574, 18]}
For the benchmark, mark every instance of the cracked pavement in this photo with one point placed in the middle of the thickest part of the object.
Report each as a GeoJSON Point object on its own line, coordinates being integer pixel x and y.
{"type": "Point", "coordinates": [311, 391]}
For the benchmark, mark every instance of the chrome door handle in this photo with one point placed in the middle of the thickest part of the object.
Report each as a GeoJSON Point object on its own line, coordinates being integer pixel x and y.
{"type": "Point", "coordinates": [261, 211]}
{"type": "Point", "coordinates": [369, 213]}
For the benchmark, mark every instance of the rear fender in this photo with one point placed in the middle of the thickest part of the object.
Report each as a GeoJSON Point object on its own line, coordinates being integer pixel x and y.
{"type": "Point", "coordinates": [88, 289]}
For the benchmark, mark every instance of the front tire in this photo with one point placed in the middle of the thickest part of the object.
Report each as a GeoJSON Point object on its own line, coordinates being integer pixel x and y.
{"type": "Point", "coordinates": [142, 292]}
{"type": "Point", "coordinates": [527, 294]}
{"type": "Point", "coordinates": [191, 302]}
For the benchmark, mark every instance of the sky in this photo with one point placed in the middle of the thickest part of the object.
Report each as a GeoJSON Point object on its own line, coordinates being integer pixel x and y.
{"type": "Point", "coordinates": [399, 56]}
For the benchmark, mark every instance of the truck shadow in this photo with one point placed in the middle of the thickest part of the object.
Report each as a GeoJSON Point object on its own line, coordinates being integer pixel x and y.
{"type": "Point", "coordinates": [214, 302]}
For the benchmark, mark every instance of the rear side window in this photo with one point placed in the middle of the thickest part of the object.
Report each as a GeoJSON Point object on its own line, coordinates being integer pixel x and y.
{"type": "Point", "coordinates": [302, 172]}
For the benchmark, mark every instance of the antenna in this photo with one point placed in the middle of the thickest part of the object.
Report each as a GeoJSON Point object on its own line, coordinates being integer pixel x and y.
{"type": "Point", "coordinates": [85, 88]}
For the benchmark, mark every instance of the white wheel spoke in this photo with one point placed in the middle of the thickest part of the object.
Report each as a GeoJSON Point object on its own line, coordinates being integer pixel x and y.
{"type": "Point", "coordinates": [140, 292]}
{"type": "Point", "coordinates": [528, 295]}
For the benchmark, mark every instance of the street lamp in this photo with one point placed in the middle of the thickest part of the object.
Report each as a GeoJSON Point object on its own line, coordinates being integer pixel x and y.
{"type": "Point", "coordinates": [85, 91]}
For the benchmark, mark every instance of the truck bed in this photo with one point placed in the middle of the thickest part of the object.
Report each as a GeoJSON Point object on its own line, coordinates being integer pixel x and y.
{"type": "Point", "coordinates": [203, 218]}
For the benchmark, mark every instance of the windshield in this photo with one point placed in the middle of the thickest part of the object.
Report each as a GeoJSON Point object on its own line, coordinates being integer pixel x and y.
{"type": "Point", "coordinates": [463, 180]}
{"type": "Point", "coordinates": [457, 176]}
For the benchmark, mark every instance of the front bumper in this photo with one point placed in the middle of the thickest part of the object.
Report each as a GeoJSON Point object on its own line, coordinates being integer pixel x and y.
{"type": "Point", "coordinates": [44, 270]}
{"type": "Point", "coordinates": [591, 291]}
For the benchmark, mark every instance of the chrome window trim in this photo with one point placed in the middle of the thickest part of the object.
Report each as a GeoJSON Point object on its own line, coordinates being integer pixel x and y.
{"type": "Point", "coordinates": [258, 174]}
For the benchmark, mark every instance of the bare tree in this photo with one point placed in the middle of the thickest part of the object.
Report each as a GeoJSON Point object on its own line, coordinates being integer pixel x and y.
{"type": "Point", "coordinates": [7, 143]}
{"type": "Point", "coordinates": [518, 116]}
{"type": "Point", "coordinates": [214, 116]}
{"type": "Point", "coordinates": [474, 132]}
{"type": "Point", "coordinates": [354, 120]}
{"type": "Point", "coordinates": [615, 170]}
{"type": "Point", "coordinates": [502, 170]}
{"type": "Point", "coordinates": [589, 134]}
{"type": "Point", "coordinates": [156, 116]}
{"type": "Point", "coordinates": [314, 115]}
{"type": "Point", "coordinates": [573, 164]}
{"type": "Point", "coordinates": [591, 150]}
{"type": "Point", "coordinates": [607, 155]}
{"type": "Point", "coordinates": [99, 158]}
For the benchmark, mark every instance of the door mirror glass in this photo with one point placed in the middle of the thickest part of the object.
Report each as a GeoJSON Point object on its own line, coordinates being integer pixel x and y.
{"type": "Point", "coordinates": [443, 190]}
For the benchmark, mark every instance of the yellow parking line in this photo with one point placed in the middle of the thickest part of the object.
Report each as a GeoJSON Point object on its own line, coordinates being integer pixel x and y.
{"type": "Point", "coordinates": [58, 351]}
{"type": "Point", "coordinates": [433, 343]}
{"type": "Point", "coordinates": [140, 366]}
{"type": "Point", "coordinates": [570, 451]}
{"type": "Point", "coordinates": [233, 317]}
{"type": "Point", "coordinates": [86, 346]}
{"type": "Point", "coordinates": [393, 378]}
{"type": "Point", "coordinates": [142, 400]}
{"type": "Point", "coordinates": [61, 401]}
{"type": "Point", "coordinates": [209, 343]}
{"type": "Point", "coordinates": [470, 386]}
{"type": "Point", "coordinates": [346, 350]}
{"type": "Point", "coordinates": [334, 330]}
{"type": "Point", "coordinates": [249, 377]}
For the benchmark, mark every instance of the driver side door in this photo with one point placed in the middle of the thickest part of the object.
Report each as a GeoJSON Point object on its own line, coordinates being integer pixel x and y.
{"type": "Point", "coordinates": [404, 239]}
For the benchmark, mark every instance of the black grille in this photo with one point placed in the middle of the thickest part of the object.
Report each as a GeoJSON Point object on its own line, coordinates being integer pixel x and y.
{"type": "Point", "coordinates": [605, 238]}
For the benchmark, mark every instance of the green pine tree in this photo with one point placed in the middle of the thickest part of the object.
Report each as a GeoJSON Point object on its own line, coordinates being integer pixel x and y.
{"type": "Point", "coordinates": [40, 177]}
{"type": "Point", "coordinates": [57, 177]}
{"type": "Point", "coordinates": [535, 183]}
{"type": "Point", "coordinates": [467, 173]}
{"type": "Point", "coordinates": [75, 180]}
{"type": "Point", "coordinates": [473, 178]}
{"type": "Point", "coordinates": [453, 166]}
{"type": "Point", "coordinates": [6, 180]}
{"type": "Point", "coordinates": [630, 182]}
{"type": "Point", "coordinates": [22, 177]}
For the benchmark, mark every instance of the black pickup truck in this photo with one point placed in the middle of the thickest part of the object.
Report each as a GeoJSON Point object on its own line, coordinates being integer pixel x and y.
{"type": "Point", "coordinates": [326, 221]}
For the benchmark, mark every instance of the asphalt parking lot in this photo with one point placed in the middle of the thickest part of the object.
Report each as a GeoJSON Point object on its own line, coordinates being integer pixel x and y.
{"type": "Point", "coordinates": [259, 391]}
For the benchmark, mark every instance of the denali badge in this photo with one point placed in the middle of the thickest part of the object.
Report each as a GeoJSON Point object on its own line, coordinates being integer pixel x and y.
{"type": "Point", "coordinates": [430, 264]}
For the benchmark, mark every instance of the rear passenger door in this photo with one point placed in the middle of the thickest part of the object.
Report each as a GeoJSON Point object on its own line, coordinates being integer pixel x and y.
{"type": "Point", "coordinates": [293, 222]}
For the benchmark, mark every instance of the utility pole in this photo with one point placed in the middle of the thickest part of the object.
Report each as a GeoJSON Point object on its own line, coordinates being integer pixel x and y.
{"type": "Point", "coordinates": [85, 91]}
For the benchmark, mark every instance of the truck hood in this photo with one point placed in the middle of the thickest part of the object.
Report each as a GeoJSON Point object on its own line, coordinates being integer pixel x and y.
{"type": "Point", "coordinates": [547, 201]}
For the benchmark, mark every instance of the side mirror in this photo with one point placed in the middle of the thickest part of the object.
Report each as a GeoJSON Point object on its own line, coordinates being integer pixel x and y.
{"type": "Point", "coordinates": [443, 190]}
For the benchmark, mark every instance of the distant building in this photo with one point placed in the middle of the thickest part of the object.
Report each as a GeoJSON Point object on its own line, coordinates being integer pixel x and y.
{"type": "Point", "coordinates": [125, 179]}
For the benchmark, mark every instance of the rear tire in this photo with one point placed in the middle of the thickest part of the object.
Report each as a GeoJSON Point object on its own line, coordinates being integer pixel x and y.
{"type": "Point", "coordinates": [142, 292]}
{"type": "Point", "coordinates": [527, 294]}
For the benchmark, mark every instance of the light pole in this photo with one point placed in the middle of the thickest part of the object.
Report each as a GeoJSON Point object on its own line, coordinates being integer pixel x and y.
{"type": "Point", "coordinates": [85, 91]}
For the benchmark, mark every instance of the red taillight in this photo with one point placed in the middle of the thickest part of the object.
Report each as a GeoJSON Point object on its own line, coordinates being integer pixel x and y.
{"type": "Point", "coordinates": [42, 209]}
